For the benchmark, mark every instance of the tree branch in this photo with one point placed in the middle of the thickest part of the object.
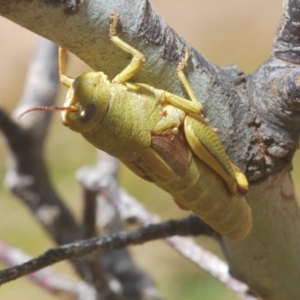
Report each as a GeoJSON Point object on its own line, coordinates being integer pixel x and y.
{"type": "Point", "coordinates": [272, 248]}
{"type": "Point", "coordinates": [145, 30]}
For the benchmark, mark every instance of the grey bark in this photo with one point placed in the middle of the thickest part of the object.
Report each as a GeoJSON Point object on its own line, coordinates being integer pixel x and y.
{"type": "Point", "coordinates": [258, 115]}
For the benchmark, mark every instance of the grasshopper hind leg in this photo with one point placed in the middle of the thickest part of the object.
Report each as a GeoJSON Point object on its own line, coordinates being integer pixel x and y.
{"type": "Point", "coordinates": [205, 143]}
{"type": "Point", "coordinates": [192, 106]}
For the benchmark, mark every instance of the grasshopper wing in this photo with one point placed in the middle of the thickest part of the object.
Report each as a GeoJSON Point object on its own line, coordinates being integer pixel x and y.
{"type": "Point", "coordinates": [205, 143]}
{"type": "Point", "coordinates": [167, 156]}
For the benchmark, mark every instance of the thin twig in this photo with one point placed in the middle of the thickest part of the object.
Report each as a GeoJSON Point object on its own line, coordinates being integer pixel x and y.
{"type": "Point", "coordinates": [78, 249]}
{"type": "Point", "coordinates": [48, 279]}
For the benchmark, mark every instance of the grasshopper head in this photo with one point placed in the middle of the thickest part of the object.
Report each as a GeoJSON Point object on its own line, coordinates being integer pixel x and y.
{"type": "Point", "coordinates": [89, 97]}
{"type": "Point", "coordinates": [86, 104]}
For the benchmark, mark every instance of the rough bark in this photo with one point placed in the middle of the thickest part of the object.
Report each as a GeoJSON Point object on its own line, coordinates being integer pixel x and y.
{"type": "Point", "coordinates": [258, 115]}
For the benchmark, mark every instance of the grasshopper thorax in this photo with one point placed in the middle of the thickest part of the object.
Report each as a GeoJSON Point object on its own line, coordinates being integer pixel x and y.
{"type": "Point", "coordinates": [90, 94]}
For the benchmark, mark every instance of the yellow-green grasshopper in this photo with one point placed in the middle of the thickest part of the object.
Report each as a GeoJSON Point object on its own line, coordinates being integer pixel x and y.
{"type": "Point", "coordinates": [161, 137]}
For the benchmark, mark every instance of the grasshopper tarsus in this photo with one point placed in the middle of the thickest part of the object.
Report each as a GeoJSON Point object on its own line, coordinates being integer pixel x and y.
{"type": "Point", "coordinates": [113, 24]}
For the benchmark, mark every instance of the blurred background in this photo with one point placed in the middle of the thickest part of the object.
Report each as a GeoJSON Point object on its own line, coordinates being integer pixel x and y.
{"type": "Point", "coordinates": [224, 31]}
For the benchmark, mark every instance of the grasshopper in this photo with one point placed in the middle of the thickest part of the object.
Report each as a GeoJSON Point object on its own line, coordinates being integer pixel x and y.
{"type": "Point", "coordinates": [161, 137]}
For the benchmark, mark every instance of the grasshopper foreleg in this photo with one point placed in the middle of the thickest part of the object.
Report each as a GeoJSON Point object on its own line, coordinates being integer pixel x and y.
{"type": "Point", "coordinates": [65, 80]}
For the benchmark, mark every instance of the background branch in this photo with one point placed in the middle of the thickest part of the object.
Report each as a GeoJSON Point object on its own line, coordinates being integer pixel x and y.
{"type": "Point", "coordinates": [116, 241]}
{"type": "Point", "coordinates": [51, 281]}
{"type": "Point", "coordinates": [118, 263]}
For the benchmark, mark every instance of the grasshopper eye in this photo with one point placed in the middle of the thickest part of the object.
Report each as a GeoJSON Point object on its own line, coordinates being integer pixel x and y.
{"type": "Point", "coordinates": [88, 114]}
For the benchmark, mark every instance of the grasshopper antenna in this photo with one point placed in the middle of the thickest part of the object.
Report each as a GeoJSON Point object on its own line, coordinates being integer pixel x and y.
{"type": "Point", "coordinates": [48, 108]}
